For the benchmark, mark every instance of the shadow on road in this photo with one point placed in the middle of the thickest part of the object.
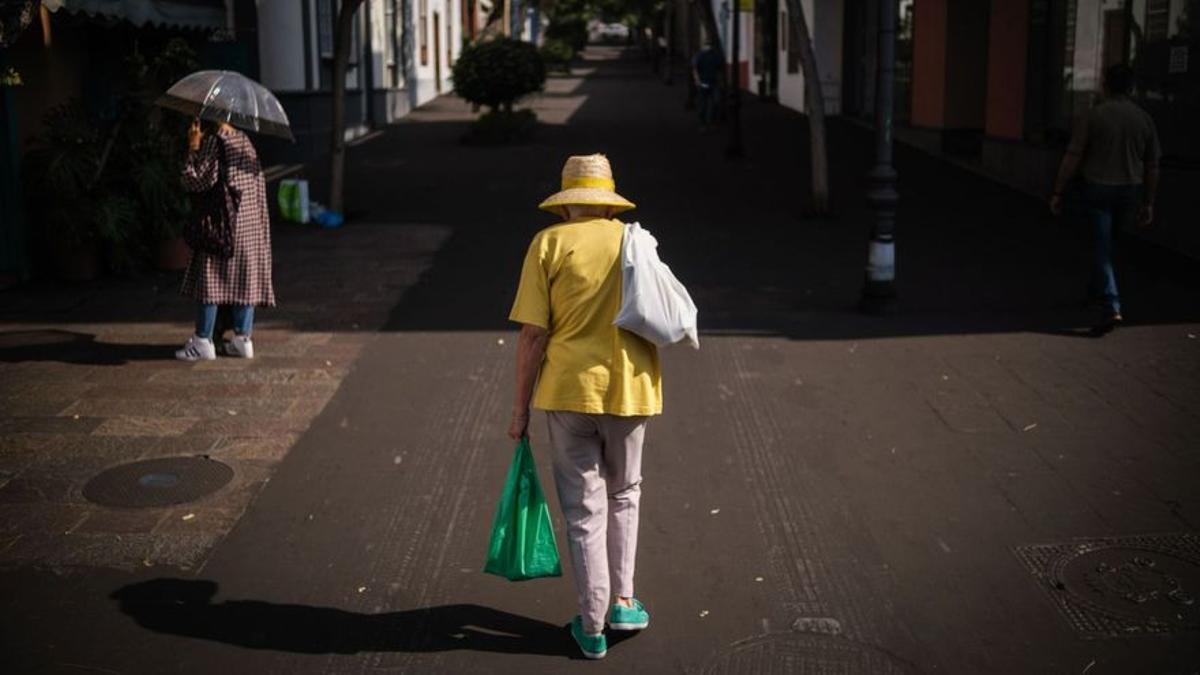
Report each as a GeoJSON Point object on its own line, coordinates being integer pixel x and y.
{"type": "Point", "coordinates": [71, 347]}
{"type": "Point", "coordinates": [184, 607]}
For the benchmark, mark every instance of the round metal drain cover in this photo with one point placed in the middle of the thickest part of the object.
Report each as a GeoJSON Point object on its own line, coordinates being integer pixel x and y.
{"type": "Point", "coordinates": [1147, 585]}
{"type": "Point", "coordinates": [157, 482]}
{"type": "Point", "coordinates": [790, 653]}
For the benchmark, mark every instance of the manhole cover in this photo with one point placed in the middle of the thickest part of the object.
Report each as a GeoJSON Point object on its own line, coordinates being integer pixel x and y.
{"type": "Point", "coordinates": [157, 482]}
{"type": "Point", "coordinates": [804, 654]}
{"type": "Point", "coordinates": [1122, 585]}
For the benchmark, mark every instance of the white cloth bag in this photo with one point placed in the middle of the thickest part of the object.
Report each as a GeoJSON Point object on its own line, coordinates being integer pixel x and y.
{"type": "Point", "coordinates": [654, 305]}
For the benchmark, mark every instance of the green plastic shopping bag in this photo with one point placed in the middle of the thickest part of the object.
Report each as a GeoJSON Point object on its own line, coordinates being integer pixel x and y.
{"type": "Point", "coordinates": [522, 545]}
{"type": "Point", "coordinates": [293, 200]}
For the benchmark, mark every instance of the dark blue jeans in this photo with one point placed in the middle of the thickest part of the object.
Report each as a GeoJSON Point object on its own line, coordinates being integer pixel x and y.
{"type": "Point", "coordinates": [707, 100]}
{"type": "Point", "coordinates": [1108, 207]}
{"type": "Point", "coordinates": [206, 319]}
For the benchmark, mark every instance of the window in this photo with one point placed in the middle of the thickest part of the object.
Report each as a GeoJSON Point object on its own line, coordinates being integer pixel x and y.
{"type": "Point", "coordinates": [326, 21]}
{"type": "Point", "coordinates": [423, 30]}
{"type": "Point", "coordinates": [391, 76]}
{"type": "Point", "coordinates": [783, 31]}
{"type": "Point", "coordinates": [903, 69]}
{"type": "Point", "coordinates": [325, 28]}
{"type": "Point", "coordinates": [793, 42]}
{"type": "Point", "coordinates": [1158, 20]}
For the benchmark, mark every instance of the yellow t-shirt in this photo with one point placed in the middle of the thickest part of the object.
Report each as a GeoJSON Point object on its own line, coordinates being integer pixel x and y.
{"type": "Point", "coordinates": [571, 286]}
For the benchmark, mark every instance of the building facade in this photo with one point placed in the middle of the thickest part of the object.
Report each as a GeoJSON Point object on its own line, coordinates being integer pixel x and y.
{"type": "Point", "coordinates": [994, 84]}
{"type": "Point", "coordinates": [400, 57]}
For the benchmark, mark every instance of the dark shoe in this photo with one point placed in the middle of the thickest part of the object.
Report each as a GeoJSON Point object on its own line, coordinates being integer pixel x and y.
{"type": "Point", "coordinates": [1108, 322]}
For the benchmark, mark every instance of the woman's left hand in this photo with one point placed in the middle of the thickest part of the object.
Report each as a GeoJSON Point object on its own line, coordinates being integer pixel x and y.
{"type": "Point", "coordinates": [195, 135]}
{"type": "Point", "coordinates": [518, 428]}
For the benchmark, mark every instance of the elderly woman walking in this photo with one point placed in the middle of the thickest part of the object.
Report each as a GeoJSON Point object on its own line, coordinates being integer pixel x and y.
{"type": "Point", "coordinates": [598, 385]}
{"type": "Point", "coordinates": [243, 279]}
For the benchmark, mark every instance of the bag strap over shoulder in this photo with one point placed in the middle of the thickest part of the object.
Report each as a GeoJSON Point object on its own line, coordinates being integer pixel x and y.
{"type": "Point", "coordinates": [222, 159]}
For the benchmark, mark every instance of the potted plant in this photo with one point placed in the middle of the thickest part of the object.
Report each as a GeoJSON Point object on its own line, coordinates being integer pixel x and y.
{"type": "Point", "coordinates": [77, 211]}
{"type": "Point", "coordinates": [161, 202]}
{"type": "Point", "coordinates": [497, 73]}
{"type": "Point", "coordinates": [152, 152]}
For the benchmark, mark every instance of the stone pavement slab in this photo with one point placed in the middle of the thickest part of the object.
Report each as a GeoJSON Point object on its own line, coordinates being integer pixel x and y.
{"type": "Point", "coordinates": [88, 382]}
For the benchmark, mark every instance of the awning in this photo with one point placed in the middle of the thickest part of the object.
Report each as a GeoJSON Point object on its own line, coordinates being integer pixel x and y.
{"type": "Point", "coordinates": [206, 14]}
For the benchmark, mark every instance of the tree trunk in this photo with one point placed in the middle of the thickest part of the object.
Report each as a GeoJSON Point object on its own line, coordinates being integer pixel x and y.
{"type": "Point", "coordinates": [337, 146]}
{"type": "Point", "coordinates": [814, 100]}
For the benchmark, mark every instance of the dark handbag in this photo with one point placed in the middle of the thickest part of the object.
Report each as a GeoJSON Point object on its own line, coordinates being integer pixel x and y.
{"type": "Point", "coordinates": [214, 213]}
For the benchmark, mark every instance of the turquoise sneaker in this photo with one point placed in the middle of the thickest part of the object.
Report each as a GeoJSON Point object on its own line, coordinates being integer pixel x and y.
{"type": "Point", "coordinates": [621, 617]}
{"type": "Point", "coordinates": [592, 646]}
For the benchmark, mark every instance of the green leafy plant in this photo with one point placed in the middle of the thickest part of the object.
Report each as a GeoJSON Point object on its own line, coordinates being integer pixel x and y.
{"type": "Point", "coordinates": [114, 183]}
{"type": "Point", "coordinates": [557, 54]}
{"type": "Point", "coordinates": [569, 28]}
{"type": "Point", "coordinates": [63, 173]}
{"type": "Point", "coordinates": [497, 73]}
{"type": "Point", "coordinates": [150, 149]}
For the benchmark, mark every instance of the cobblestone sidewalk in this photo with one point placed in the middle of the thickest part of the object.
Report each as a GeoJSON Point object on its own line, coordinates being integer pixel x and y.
{"type": "Point", "coordinates": [82, 391]}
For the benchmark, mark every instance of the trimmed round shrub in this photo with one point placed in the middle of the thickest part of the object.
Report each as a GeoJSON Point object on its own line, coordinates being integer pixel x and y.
{"type": "Point", "coordinates": [498, 127]}
{"type": "Point", "coordinates": [557, 54]}
{"type": "Point", "coordinates": [498, 72]}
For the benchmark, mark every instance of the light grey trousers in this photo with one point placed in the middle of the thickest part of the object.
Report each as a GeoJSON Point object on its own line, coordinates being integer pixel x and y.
{"type": "Point", "coordinates": [598, 475]}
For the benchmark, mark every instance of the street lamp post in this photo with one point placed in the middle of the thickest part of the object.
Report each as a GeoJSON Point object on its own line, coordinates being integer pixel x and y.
{"type": "Point", "coordinates": [735, 93]}
{"type": "Point", "coordinates": [668, 34]}
{"type": "Point", "coordinates": [879, 291]}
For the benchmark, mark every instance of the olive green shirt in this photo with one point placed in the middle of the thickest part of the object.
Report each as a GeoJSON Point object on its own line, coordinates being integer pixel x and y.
{"type": "Point", "coordinates": [1115, 141]}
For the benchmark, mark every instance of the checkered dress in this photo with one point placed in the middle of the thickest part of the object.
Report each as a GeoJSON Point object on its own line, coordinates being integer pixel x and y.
{"type": "Point", "coordinates": [245, 277]}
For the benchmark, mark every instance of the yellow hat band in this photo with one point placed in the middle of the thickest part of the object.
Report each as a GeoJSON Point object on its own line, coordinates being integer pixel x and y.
{"type": "Point", "coordinates": [588, 182]}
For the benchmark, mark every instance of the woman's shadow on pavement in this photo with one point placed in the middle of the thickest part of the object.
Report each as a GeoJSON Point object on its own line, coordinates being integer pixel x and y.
{"type": "Point", "coordinates": [70, 347]}
{"type": "Point", "coordinates": [184, 607]}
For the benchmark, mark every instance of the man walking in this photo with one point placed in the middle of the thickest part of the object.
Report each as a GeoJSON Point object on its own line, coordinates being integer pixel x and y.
{"type": "Point", "coordinates": [706, 72]}
{"type": "Point", "coordinates": [1115, 147]}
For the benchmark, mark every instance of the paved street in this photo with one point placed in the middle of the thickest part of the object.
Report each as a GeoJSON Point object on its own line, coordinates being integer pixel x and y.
{"type": "Point", "coordinates": [973, 485]}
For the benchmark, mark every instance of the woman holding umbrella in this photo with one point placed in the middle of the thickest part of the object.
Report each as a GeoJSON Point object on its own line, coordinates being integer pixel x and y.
{"type": "Point", "coordinates": [241, 280]}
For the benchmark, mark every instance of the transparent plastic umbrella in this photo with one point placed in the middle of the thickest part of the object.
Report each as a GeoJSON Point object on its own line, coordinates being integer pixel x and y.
{"type": "Point", "coordinates": [226, 96]}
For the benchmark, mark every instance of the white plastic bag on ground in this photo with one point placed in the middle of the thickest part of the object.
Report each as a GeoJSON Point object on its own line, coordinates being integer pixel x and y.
{"type": "Point", "coordinates": [654, 305]}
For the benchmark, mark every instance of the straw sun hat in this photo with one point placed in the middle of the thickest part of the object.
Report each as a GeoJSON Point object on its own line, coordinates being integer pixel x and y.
{"type": "Point", "coordinates": [586, 180]}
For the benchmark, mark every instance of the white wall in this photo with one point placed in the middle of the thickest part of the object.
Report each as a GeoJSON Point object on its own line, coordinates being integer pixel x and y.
{"type": "Point", "coordinates": [446, 44]}
{"type": "Point", "coordinates": [282, 60]}
{"type": "Point", "coordinates": [379, 36]}
{"type": "Point", "coordinates": [281, 45]}
{"type": "Point", "coordinates": [825, 22]}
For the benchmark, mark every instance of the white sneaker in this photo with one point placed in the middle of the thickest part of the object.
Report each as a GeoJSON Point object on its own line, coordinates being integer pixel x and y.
{"type": "Point", "coordinates": [241, 346]}
{"type": "Point", "coordinates": [197, 349]}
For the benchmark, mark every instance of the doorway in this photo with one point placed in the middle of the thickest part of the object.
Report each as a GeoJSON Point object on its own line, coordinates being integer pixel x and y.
{"type": "Point", "coordinates": [437, 51]}
{"type": "Point", "coordinates": [766, 47]}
